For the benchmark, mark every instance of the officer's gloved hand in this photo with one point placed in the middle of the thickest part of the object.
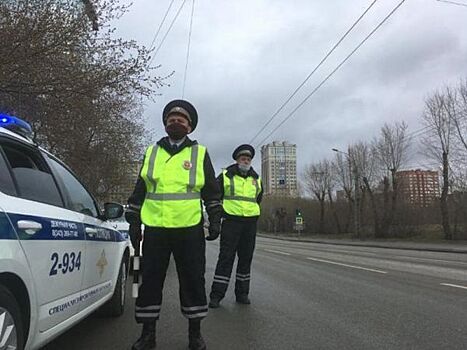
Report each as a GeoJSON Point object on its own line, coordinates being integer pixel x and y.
{"type": "Point", "coordinates": [135, 234]}
{"type": "Point", "coordinates": [214, 231]}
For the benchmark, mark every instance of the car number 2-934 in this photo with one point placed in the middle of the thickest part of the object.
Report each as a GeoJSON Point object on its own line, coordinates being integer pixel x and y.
{"type": "Point", "coordinates": [68, 262]}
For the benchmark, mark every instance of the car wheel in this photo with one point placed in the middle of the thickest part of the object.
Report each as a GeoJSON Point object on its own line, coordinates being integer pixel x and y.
{"type": "Point", "coordinates": [116, 305]}
{"type": "Point", "coordinates": [11, 326]}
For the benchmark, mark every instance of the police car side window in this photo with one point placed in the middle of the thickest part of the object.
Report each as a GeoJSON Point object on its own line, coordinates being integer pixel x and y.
{"type": "Point", "coordinates": [80, 200]}
{"type": "Point", "coordinates": [33, 179]}
{"type": "Point", "coordinates": [6, 181]}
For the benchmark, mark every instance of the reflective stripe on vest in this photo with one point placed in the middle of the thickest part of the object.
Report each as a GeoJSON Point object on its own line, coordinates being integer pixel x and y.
{"type": "Point", "coordinates": [173, 187]}
{"type": "Point", "coordinates": [240, 195]}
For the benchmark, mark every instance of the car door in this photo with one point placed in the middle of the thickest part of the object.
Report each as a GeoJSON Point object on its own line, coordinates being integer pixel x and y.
{"type": "Point", "coordinates": [103, 253]}
{"type": "Point", "coordinates": [51, 236]}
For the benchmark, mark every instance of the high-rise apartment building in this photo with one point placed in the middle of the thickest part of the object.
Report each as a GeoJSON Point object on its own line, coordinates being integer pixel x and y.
{"type": "Point", "coordinates": [279, 169]}
{"type": "Point", "coordinates": [418, 187]}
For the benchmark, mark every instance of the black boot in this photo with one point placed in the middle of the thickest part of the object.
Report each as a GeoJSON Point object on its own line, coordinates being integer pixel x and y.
{"type": "Point", "coordinates": [147, 340]}
{"type": "Point", "coordinates": [214, 303]}
{"type": "Point", "coordinates": [243, 299]}
{"type": "Point", "coordinates": [196, 341]}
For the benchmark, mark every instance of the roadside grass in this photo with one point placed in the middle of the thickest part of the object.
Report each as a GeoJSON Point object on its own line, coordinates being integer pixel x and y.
{"type": "Point", "coordinates": [425, 234]}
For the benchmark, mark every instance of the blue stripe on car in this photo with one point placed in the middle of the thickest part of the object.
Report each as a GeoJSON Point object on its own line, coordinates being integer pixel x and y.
{"type": "Point", "coordinates": [6, 229]}
{"type": "Point", "coordinates": [55, 229]}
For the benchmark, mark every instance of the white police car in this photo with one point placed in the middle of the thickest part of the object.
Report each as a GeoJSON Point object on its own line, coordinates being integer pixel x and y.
{"type": "Point", "coordinates": [60, 258]}
{"type": "Point", "coordinates": [121, 225]}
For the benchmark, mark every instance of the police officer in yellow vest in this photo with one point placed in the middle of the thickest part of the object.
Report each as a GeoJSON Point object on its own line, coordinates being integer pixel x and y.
{"type": "Point", "coordinates": [177, 174]}
{"type": "Point", "coordinates": [242, 192]}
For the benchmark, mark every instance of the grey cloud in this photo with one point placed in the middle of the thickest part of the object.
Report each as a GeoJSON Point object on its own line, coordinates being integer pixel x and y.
{"type": "Point", "coordinates": [247, 57]}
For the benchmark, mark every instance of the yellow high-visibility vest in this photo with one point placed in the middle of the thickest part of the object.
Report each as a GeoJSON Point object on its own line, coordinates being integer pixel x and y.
{"type": "Point", "coordinates": [173, 187]}
{"type": "Point", "coordinates": [240, 195]}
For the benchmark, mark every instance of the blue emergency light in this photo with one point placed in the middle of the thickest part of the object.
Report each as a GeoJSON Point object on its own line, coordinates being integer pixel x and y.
{"type": "Point", "coordinates": [16, 125]}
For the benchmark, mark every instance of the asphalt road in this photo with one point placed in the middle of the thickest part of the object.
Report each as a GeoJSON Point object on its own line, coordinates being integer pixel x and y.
{"type": "Point", "coordinates": [313, 296]}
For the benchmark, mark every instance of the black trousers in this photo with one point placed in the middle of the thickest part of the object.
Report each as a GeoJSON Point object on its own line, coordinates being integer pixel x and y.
{"type": "Point", "coordinates": [237, 238]}
{"type": "Point", "coordinates": [188, 247]}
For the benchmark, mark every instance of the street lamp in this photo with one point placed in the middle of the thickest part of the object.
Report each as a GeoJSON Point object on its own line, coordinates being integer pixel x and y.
{"type": "Point", "coordinates": [357, 200]}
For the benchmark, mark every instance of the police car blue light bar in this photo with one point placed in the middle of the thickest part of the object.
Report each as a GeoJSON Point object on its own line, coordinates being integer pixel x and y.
{"type": "Point", "coordinates": [16, 125]}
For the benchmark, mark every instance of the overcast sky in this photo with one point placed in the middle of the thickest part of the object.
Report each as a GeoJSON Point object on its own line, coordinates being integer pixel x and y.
{"type": "Point", "coordinates": [247, 56]}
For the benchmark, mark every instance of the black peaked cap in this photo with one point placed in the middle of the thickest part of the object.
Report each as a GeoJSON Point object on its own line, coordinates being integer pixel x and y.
{"type": "Point", "coordinates": [172, 106]}
{"type": "Point", "coordinates": [245, 149]}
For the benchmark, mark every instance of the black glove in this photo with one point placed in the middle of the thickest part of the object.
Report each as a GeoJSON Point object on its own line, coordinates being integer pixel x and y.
{"type": "Point", "coordinates": [135, 235]}
{"type": "Point", "coordinates": [214, 231]}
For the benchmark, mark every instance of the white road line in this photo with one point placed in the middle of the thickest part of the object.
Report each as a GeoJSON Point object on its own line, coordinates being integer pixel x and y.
{"type": "Point", "coordinates": [428, 259]}
{"type": "Point", "coordinates": [277, 251]}
{"type": "Point", "coordinates": [331, 251]}
{"type": "Point", "coordinates": [346, 265]}
{"type": "Point", "coordinates": [453, 285]}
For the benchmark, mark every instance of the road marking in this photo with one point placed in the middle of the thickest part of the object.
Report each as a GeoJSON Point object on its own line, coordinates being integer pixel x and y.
{"type": "Point", "coordinates": [346, 265]}
{"type": "Point", "coordinates": [332, 251]}
{"type": "Point", "coordinates": [428, 259]}
{"type": "Point", "coordinates": [277, 251]}
{"type": "Point", "coordinates": [453, 285]}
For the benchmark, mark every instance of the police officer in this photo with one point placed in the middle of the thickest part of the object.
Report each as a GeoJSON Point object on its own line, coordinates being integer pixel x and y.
{"type": "Point", "coordinates": [242, 192]}
{"type": "Point", "coordinates": [176, 175]}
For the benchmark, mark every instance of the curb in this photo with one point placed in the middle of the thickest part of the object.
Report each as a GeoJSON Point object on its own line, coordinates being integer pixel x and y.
{"type": "Point", "coordinates": [371, 245]}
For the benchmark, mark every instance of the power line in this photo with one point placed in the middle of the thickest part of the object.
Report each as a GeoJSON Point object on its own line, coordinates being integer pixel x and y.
{"type": "Point", "coordinates": [161, 24]}
{"type": "Point", "coordinates": [188, 48]}
{"type": "Point", "coordinates": [334, 71]}
{"type": "Point", "coordinates": [453, 3]}
{"type": "Point", "coordinates": [168, 31]}
{"type": "Point", "coordinates": [313, 71]}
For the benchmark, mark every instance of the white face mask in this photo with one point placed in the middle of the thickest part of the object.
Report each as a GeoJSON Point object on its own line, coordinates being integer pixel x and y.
{"type": "Point", "coordinates": [244, 167]}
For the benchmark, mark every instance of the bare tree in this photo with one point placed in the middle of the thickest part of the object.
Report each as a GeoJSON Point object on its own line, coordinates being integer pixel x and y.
{"type": "Point", "coordinates": [458, 158]}
{"type": "Point", "coordinates": [460, 117]}
{"type": "Point", "coordinates": [439, 116]}
{"type": "Point", "coordinates": [392, 150]}
{"type": "Point", "coordinates": [343, 177]}
{"type": "Point", "coordinates": [318, 180]}
{"type": "Point", "coordinates": [82, 90]}
{"type": "Point", "coordinates": [364, 160]}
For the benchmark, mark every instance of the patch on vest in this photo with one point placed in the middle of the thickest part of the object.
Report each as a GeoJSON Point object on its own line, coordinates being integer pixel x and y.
{"type": "Point", "coordinates": [187, 165]}
{"type": "Point", "coordinates": [254, 182]}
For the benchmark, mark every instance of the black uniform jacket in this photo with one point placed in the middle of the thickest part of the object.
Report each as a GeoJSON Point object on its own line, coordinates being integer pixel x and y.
{"type": "Point", "coordinates": [210, 193]}
{"type": "Point", "coordinates": [233, 170]}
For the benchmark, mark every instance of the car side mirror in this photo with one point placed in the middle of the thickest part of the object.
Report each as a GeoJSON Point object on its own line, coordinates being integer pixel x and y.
{"type": "Point", "coordinates": [112, 211]}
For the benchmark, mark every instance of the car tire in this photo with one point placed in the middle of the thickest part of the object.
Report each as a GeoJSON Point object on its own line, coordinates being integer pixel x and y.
{"type": "Point", "coordinates": [116, 305]}
{"type": "Point", "coordinates": [11, 327]}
